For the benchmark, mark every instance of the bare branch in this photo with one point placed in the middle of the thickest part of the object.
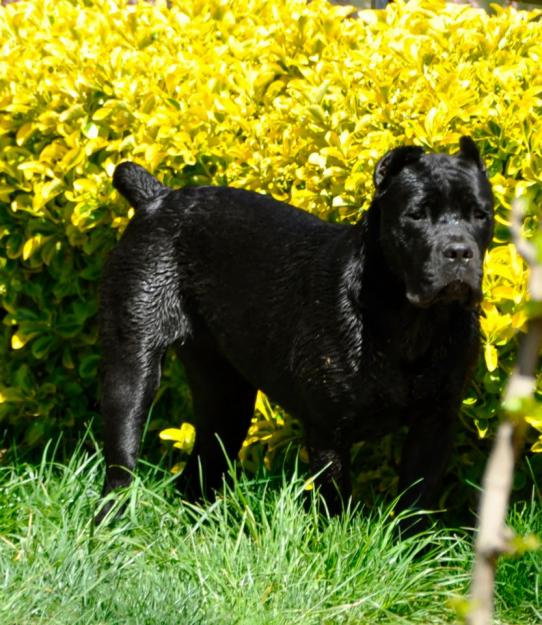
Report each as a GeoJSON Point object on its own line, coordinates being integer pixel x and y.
{"type": "Point", "coordinates": [493, 536]}
{"type": "Point", "coordinates": [526, 249]}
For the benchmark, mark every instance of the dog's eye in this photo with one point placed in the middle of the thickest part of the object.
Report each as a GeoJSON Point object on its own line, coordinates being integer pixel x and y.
{"type": "Point", "coordinates": [416, 215]}
{"type": "Point", "coordinates": [480, 214]}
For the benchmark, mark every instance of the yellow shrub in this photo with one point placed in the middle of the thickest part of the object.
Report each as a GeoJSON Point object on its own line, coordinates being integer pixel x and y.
{"type": "Point", "coordinates": [291, 98]}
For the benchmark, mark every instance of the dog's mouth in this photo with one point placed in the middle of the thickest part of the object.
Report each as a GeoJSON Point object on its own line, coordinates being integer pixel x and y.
{"type": "Point", "coordinates": [456, 291]}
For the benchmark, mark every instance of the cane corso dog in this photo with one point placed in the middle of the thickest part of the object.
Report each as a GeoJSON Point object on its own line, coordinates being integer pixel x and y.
{"type": "Point", "coordinates": [356, 330]}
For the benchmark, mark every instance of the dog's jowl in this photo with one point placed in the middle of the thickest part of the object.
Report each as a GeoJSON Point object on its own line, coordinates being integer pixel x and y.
{"type": "Point", "coordinates": [355, 329]}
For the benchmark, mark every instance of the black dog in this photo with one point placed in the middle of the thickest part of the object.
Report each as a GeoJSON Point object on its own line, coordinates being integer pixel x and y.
{"type": "Point", "coordinates": [356, 330]}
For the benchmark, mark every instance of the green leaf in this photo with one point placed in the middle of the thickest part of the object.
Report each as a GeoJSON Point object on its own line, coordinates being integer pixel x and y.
{"type": "Point", "coordinates": [88, 368]}
{"type": "Point", "coordinates": [42, 345]}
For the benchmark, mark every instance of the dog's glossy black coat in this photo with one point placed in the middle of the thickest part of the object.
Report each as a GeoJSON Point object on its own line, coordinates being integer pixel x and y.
{"type": "Point", "coordinates": [356, 330]}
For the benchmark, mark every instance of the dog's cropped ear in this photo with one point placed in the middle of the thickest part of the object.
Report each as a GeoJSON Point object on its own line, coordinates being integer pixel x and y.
{"type": "Point", "coordinates": [469, 152]}
{"type": "Point", "coordinates": [392, 163]}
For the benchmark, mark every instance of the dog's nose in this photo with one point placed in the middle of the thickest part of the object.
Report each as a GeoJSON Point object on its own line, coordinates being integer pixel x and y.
{"type": "Point", "coordinates": [458, 252]}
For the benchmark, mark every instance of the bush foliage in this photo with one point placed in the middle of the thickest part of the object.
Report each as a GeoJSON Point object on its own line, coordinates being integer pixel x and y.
{"type": "Point", "coordinates": [294, 99]}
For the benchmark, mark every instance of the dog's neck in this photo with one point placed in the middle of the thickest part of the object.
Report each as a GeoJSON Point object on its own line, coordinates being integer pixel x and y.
{"type": "Point", "coordinates": [386, 289]}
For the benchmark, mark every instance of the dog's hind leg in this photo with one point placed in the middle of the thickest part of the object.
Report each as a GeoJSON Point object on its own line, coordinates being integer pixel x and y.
{"type": "Point", "coordinates": [129, 385]}
{"type": "Point", "coordinates": [223, 403]}
{"type": "Point", "coordinates": [137, 324]}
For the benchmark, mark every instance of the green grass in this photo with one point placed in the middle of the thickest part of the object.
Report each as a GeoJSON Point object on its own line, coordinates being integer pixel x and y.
{"type": "Point", "coordinates": [255, 556]}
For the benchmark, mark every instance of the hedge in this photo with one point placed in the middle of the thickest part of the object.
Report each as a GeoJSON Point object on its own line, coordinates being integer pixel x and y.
{"type": "Point", "coordinates": [290, 98]}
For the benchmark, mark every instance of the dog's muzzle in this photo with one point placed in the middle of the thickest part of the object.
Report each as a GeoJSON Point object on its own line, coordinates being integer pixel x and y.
{"type": "Point", "coordinates": [456, 276]}
{"type": "Point", "coordinates": [460, 273]}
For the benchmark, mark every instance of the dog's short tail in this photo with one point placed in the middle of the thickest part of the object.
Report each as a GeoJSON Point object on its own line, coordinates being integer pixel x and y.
{"type": "Point", "coordinates": [136, 184]}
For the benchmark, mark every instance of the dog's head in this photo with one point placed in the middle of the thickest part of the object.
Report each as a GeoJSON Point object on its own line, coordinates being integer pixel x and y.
{"type": "Point", "coordinates": [436, 221]}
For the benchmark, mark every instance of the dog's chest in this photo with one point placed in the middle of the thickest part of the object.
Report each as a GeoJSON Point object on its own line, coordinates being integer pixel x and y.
{"type": "Point", "coordinates": [389, 379]}
{"type": "Point", "coordinates": [386, 396]}
{"type": "Point", "coordinates": [399, 370]}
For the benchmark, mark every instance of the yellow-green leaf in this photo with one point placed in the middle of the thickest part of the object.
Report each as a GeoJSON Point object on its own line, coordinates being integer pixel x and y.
{"type": "Point", "coordinates": [33, 244]}
{"type": "Point", "coordinates": [491, 357]}
{"type": "Point", "coordinates": [19, 340]}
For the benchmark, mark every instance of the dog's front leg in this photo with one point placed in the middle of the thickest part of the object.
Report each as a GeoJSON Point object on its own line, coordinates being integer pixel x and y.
{"type": "Point", "coordinates": [425, 456]}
